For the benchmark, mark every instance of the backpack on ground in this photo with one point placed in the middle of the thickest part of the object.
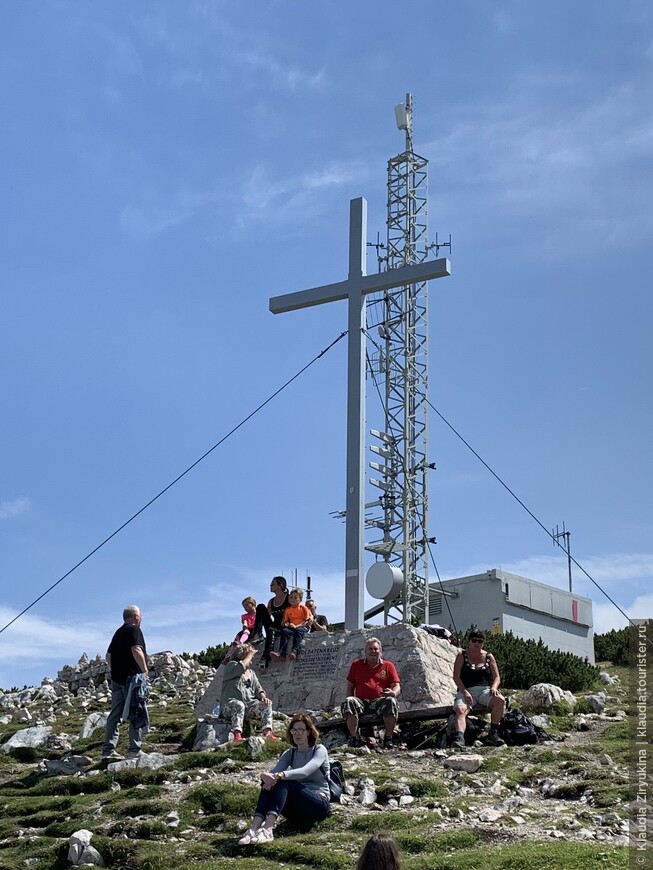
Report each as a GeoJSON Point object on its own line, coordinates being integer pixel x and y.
{"type": "Point", "coordinates": [336, 781]}
{"type": "Point", "coordinates": [517, 729]}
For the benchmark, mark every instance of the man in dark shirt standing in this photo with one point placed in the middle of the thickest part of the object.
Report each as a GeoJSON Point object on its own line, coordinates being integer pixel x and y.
{"type": "Point", "coordinates": [126, 657]}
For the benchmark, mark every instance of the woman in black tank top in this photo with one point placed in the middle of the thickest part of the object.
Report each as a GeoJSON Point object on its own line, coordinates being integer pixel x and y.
{"type": "Point", "coordinates": [477, 679]}
{"type": "Point", "coordinates": [268, 616]}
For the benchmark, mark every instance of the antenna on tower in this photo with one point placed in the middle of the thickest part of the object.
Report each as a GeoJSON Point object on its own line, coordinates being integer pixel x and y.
{"type": "Point", "coordinates": [565, 535]}
{"type": "Point", "coordinates": [404, 119]}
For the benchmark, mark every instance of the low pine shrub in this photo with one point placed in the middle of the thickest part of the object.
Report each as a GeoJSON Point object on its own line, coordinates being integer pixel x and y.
{"type": "Point", "coordinates": [613, 646]}
{"type": "Point", "coordinates": [211, 656]}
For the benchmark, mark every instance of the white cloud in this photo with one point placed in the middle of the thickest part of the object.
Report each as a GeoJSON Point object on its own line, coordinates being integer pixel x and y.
{"type": "Point", "coordinates": [294, 198]}
{"type": "Point", "coordinates": [152, 212]}
{"type": "Point", "coordinates": [13, 508]}
{"type": "Point", "coordinates": [34, 640]}
{"type": "Point", "coordinates": [502, 21]}
{"type": "Point", "coordinates": [534, 155]}
{"type": "Point", "coordinates": [606, 617]}
{"type": "Point", "coordinates": [242, 54]}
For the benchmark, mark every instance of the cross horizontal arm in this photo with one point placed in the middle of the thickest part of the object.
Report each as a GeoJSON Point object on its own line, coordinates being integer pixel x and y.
{"type": "Point", "coordinates": [308, 298]}
{"type": "Point", "coordinates": [413, 274]}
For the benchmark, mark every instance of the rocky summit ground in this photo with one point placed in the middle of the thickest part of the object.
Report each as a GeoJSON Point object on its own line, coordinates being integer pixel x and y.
{"type": "Point", "coordinates": [557, 804]}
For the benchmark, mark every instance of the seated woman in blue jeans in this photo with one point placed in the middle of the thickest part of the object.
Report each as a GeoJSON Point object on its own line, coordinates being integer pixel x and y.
{"type": "Point", "coordinates": [297, 786]}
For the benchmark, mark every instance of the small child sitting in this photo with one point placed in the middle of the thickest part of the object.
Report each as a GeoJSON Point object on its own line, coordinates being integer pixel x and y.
{"type": "Point", "coordinates": [295, 622]}
{"type": "Point", "coordinates": [247, 619]}
{"type": "Point", "coordinates": [247, 624]}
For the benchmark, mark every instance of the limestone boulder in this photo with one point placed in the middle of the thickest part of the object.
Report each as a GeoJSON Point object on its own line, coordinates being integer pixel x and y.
{"type": "Point", "coordinates": [596, 702]}
{"type": "Point", "coordinates": [467, 763]}
{"type": "Point", "coordinates": [544, 695]}
{"type": "Point", "coordinates": [68, 766]}
{"type": "Point", "coordinates": [211, 733]}
{"type": "Point", "coordinates": [27, 738]}
{"type": "Point", "coordinates": [318, 679]}
{"type": "Point", "coordinates": [92, 722]}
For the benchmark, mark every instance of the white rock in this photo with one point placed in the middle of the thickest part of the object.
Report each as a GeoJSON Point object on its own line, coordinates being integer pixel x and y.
{"type": "Point", "coordinates": [467, 763]}
{"type": "Point", "coordinates": [489, 815]}
{"type": "Point", "coordinates": [172, 819]}
{"type": "Point", "coordinates": [92, 722]}
{"type": "Point", "coordinates": [28, 737]}
{"type": "Point", "coordinates": [367, 794]}
{"type": "Point", "coordinates": [545, 695]}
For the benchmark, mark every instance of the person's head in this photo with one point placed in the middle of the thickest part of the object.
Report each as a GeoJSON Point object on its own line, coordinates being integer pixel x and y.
{"type": "Point", "coordinates": [242, 651]}
{"type": "Point", "coordinates": [278, 584]}
{"type": "Point", "coordinates": [301, 724]}
{"type": "Point", "coordinates": [132, 615]}
{"type": "Point", "coordinates": [249, 604]}
{"type": "Point", "coordinates": [295, 596]}
{"type": "Point", "coordinates": [477, 638]}
{"type": "Point", "coordinates": [379, 853]}
{"type": "Point", "coordinates": [373, 650]}
{"type": "Point", "coordinates": [312, 606]}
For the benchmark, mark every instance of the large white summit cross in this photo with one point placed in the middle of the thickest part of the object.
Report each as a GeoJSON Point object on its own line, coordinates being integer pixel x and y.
{"type": "Point", "coordinates": [355, 289]}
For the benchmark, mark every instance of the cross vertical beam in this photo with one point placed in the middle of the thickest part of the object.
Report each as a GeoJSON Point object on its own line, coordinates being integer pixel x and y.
{"type": "Point", "coordinates": [354, 521]}
{"type": "Point", "coordinates": [355, 289]}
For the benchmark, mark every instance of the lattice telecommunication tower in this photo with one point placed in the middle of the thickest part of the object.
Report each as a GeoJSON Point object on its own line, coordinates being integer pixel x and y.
{"type": "Point", "coordinates": [401, 364]}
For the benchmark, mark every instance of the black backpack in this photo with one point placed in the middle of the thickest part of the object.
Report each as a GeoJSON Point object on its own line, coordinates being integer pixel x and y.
{"type": "Point", "coordinates": [517, 729]}
{"type": "Point", "coordinates": [336, 781]}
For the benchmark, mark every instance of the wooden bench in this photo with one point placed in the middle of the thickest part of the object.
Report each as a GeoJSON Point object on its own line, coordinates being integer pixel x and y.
{"type": "Point", "coordinates": [424, 715]}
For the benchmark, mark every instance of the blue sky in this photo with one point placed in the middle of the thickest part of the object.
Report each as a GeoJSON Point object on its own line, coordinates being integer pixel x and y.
{"type": "Point", "coordinates": [168, 167]}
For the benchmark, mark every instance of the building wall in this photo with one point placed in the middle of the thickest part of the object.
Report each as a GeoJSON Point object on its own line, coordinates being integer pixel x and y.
{"type": "Point", "coordinates": [498, 600]}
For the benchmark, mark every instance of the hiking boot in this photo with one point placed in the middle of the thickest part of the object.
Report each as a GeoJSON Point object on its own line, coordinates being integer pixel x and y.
{"type": "Point", "coordinates": [388, 742]}
{"type": "Point", "coordinates": [134, 753]}
{"type": "Point", "coordinates": [493, 739]}
{"type": "Point", "coordinates": [356, 742]}
{"type": "Point", "coordinates": [112, 756]}
{"type": "Point", "coordinates": [256, 638]}
{"type": "Point", "coordinates": [458, 742]}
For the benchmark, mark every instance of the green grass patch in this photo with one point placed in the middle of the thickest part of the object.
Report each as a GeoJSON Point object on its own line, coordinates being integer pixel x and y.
{"type": "Point", "coordinates": [533, 855]}
{"type": "Point", "coordinates": [225, 798]}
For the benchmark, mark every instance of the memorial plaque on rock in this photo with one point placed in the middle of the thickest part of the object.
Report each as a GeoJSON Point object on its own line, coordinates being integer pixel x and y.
{"type": "Point", "coordinates": [318, 679]}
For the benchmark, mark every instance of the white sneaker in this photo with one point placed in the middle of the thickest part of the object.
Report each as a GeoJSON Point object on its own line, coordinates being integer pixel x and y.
{"type": "Point", "coordinates": [264, 835]}
{"type": "Point", "coordinates": [250, 837]}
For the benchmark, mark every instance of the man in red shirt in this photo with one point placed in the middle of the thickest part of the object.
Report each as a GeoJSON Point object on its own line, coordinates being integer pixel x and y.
{"type": "Point", "coordinates": [372, 687]}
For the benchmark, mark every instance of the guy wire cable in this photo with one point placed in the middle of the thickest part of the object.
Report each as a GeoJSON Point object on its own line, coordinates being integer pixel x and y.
{"type": "Point", "coordinates": [517, 499]}
{"type": "Point", "coordinates": [177, 479]}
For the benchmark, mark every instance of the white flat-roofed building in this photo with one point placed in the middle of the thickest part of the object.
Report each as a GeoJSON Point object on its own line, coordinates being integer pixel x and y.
{"type": "Point", "coordinates": [497, 602]}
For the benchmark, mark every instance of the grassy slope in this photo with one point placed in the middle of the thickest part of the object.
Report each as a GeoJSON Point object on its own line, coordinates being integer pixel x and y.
{"type": "Point", "coordinates": [213, 791]}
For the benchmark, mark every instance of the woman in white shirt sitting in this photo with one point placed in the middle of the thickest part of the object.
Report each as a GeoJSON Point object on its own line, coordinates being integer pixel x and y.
{"type": "Point", "coordinates": [297, 786]}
